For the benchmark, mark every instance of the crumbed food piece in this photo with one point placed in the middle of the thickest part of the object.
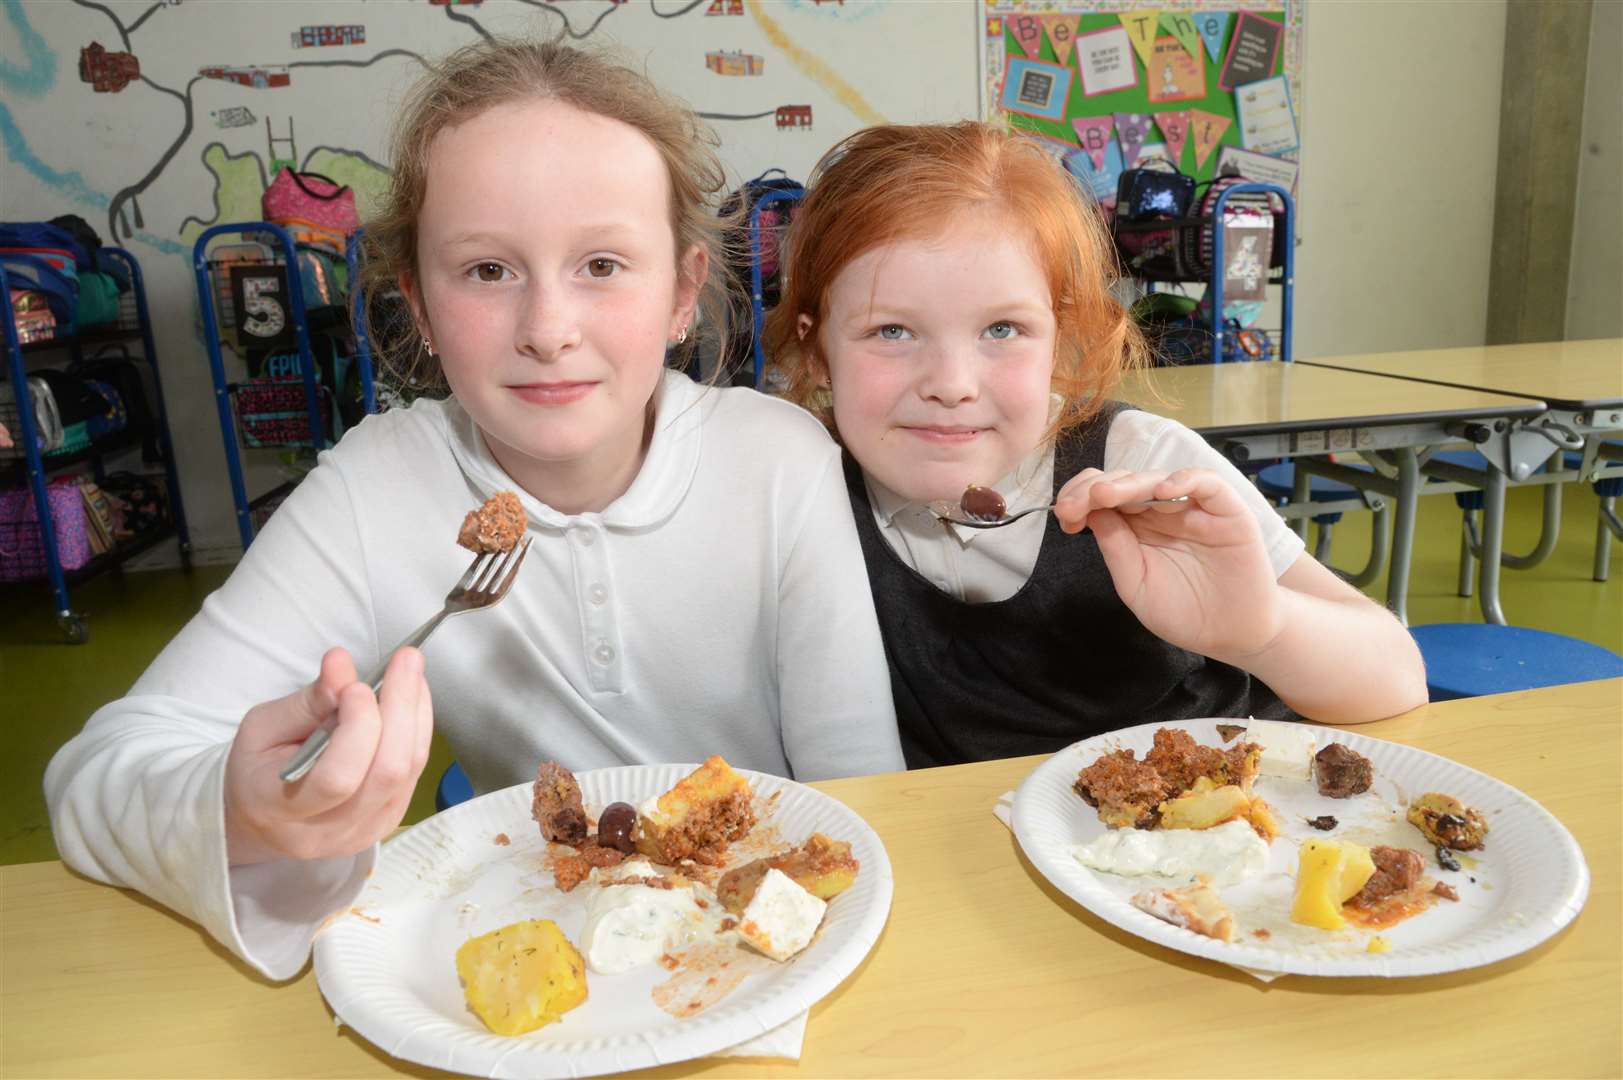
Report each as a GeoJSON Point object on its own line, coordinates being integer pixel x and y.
{"type": "Point", "coordinates": [569, 871]}
{"type": "Point", "coordinates": [1204, 806]}
{"type": "Point", "coordinates": [556, 805]}
{"type": "Point", "coordinates": [1196, 908]}
{"type": "Point", "coordinates": [1240, 764]}
{"type": "Point", "coordinates": [1445, 890]}
{"type": "Point", "coordinates": [522, 976]}
{"type": "Point", "coordinates": [697, 818]}
{"type": "Point", "coordinates": [823, 867]}
{"type": "Point", "coordinates": [1447, 822]}
{"type": "Point", "coordinates": [1342, 772]}
{"type": "Point", "coordinates": [1226, 732]}
{"type": "Point", "coordinates": [497, 526]}
{"type": "Point", "coordinates": [1396, 870]}
{"type": "Point", "coordinates": [1124, 790]}
{"type": "Point", "coordinates": [1180, 760]}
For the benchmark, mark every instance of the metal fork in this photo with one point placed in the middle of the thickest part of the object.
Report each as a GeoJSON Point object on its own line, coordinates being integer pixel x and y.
{"type": "Point", "coordinates": [954, 514]}
{"type": "Point", "coordinates": [483, 586]}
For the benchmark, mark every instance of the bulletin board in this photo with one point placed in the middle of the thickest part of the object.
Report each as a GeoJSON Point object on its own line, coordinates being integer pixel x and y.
{"type": "Point", "coordinates": [1215, 86]}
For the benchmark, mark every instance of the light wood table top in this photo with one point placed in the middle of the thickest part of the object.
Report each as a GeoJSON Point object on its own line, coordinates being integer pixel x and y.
{"type": "Point", "coordinates": [1566, 374]}
{"type": "Point", "coordinates": [983, 970]}
{"type": "Point", "coordinates": [1268, 397]}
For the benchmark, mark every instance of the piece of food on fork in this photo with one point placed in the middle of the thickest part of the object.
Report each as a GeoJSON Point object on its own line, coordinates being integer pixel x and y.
{"type": "Point", "coordinates": [496, 526]}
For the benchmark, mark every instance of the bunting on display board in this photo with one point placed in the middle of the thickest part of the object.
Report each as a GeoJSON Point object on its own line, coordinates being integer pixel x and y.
{"type": "Point", "coordinates": [1183, 80]}
{"type": "Point", "coordinates": [1131, 130]}
{"type": "Point", "coordinates": [1175, 126]}
{"type": "Point", "coordinates": [1181, 25]}
{"type": "Point", "coordinates": [1061, 35]}
{"type": "Point", "coordinates": [1028, 34]}
{"type": "Point", "coordinates": [1213, 27]}
{"type": "Point", "coordinates": [1141, 26]}
{"type": "Point", "coordinates": [1207, 128]}
{"type": "Point", "coordinates": [1093, 132]}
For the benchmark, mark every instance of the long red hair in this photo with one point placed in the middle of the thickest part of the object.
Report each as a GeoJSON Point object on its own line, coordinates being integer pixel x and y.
{"type": "Point", "coordinates": [898, 182]}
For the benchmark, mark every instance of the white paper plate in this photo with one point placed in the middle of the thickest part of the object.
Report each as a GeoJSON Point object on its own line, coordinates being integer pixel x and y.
{"type": "Point", "coordinates": [387, 967]}
{"type": "Point", "coordinates": [1530, 879]}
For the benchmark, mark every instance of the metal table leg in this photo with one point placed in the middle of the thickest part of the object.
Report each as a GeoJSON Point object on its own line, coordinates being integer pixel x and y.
{"type": "Point", "coordinates": [1403, 516]}
{"type": "Point", "coordinates": [1493, 542]}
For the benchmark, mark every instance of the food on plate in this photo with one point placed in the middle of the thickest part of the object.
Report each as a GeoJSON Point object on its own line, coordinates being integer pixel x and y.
{"type": "Point", "coordinates": [1342, 772]}
{"type": "Point", "coordinates": [1397, 889]}
{"type": "Point", "coordinates": [982, 503]}
{"type": "Point", "coordinates": [1378, 944]}
{"type": "Point", "coordinates": [823, 867]}
{"type": "Point", "coordinates": [1447, 822]}
{"type": "Point", "coordinates": [617, 827]}
{"type": "Point", "coordinates": [1123, 789]}
{"type": "Point", "coordinates": [637, 915]}
{"type": "Point", "coordinates": [1396, 870]}
{"type": "Point", "coordinates": [1226, 732]}
{"type": "Point", "coordinates": [1198, 786]}
{"type": "Point", "coordinates": [522, 976]}
{"type": "Point", "coordinates": [1323, 823]}
{"type": "Point", "coordinates": [1446, 859]}
{"type": "Point", "coordinates": [1180, 761]}
{"type": "Point", "coordinates": [556, 806]}
{"type": "Point", "coordinates": [781, 918]}
{"type": "Point", "coordinates": [1204, 805]}
{"type": "Point", "coordinates": [1329, 873]}
{"type": "Point", "coordinates": [698, 818]}
{"type": "Point", "coordinates": [1225, 854]}
{"type": "Point", "coordinates": [1286, 748]}
{"type": "Point", "coordinates": [1196, 908]}
{"type": "Point", "coordinates": [496, 527]}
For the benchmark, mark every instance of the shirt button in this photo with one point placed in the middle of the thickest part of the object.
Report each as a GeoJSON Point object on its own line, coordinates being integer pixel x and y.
{"type": "Point", "coordinates": [604, 653]}
{"type": "Point", "coordinates": [597, 594]}
{"type": "Point", "coordinates": [585, 537]}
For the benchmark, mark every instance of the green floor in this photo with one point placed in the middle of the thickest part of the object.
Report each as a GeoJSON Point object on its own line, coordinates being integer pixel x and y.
{"type": "Point", "coordinates": [49, 688]}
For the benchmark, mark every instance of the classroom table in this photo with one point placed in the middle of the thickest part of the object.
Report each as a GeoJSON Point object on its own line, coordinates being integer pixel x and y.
{"type": "Point", "coordinates": [1581, 382]}
{"type": "Point", "coordinates": [1265, 410]}
{"type": "Point", "coordinates": [984, 969]}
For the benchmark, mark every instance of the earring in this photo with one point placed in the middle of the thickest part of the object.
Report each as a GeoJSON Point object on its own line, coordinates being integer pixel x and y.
{"type": "Point", "coordinates": [428, 346]}
{"type": "Point", "coordinates": [682, 336]}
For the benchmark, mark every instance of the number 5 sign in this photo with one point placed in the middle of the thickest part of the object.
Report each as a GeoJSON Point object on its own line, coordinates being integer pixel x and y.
{"type": "Point", "coordinates": [257, 302]}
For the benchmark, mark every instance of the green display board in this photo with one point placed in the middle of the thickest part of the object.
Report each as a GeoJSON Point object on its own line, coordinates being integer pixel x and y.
{"type": "Point", "coordinates": [1105, 82]}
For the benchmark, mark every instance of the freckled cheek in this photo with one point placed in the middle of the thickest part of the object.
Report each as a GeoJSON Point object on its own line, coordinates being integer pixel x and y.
{"type": "Point", "coordinates": [468, 323]}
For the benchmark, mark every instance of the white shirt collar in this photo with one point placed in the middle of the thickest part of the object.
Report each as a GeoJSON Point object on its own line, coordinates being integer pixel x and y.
{"type": "Point", "coordinates": [660, 485]}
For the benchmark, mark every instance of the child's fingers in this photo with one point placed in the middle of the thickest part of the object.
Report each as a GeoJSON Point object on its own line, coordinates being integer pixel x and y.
{"type": "Point", "coordinates": [1204, 488]}
{"type": "Point", "coordinates": [1120, 547]}
{"type": "Point", "coordinates": [1078, 497]}
{"type": "Point", "coordinates": [398, 706]}
{"type": "Point", "coordinates": [344, 766]}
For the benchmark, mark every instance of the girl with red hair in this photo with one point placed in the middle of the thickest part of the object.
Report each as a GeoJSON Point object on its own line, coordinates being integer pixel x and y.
{"type": "Point", "coordinates": [947, 312]}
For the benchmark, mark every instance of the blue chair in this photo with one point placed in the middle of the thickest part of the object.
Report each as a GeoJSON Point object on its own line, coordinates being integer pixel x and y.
{"type": "Point", "coordinates": [1471, 659]}
{"type": "Point", "coordinates": [454, 788]}
{"type": "Point", "coordinates": [1278, 483]}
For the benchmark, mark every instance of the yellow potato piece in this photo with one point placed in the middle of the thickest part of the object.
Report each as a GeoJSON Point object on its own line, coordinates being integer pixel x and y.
{"type": "Point", "coordinates": [522, 976]}
{"type": "Point", "coordinates": [1328, 875]}
{"type": "Point", "coordinates": [1204, 806]}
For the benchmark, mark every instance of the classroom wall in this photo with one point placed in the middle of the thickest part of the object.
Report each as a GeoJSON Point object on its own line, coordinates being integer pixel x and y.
{"type": "Point", "coordinates": [1595, 280]}
{"type": "Point", "coordinates": [1399, 139]}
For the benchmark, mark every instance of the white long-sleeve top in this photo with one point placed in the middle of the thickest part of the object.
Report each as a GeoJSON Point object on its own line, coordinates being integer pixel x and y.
{"type": "Point", "coordinates": [719, 606]}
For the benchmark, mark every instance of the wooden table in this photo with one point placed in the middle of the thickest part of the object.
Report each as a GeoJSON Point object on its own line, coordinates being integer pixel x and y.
{"type": "Point", "coordinates": [1255, 411]}
{"type": "Point", "coordinates": [1581, 382]}
{"type": "Point", "coordinates": [983, 970]}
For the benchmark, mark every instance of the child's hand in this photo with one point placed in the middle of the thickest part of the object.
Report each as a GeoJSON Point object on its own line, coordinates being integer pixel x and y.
{"type": "Point", "coordinates": [357, 793]}
{"type": "Point", "coordinates": [1196, 575]}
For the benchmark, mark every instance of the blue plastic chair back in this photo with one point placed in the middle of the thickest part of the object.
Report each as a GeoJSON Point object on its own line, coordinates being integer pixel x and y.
{"type": "Point", "coordinates": [453, 788]}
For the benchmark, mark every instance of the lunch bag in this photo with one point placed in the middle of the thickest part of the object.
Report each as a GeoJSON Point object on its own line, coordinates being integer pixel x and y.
{"type": "Point", "coordinates": [318, 207]}
{"type": "Point", "coordinates": [47, 421]}
{"type": "Point", "coordinates": [22, 543]}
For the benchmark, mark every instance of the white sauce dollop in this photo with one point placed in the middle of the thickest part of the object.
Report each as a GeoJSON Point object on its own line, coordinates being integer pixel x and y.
{"type": "Point", "coordinates": [1225, 854]}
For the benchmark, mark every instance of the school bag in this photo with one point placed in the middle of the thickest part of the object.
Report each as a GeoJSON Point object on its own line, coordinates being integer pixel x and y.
{"type": "Point", "coordinates": [317, 210]}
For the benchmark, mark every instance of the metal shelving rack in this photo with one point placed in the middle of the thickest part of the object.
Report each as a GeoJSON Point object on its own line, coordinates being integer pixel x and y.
{"type": "Point", "coordinates": [134, 324]}
{"type": "Point", "coordinates": [299, 317]}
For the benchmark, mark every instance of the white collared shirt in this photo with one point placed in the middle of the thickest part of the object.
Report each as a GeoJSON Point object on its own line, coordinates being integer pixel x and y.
{"type": "Point", "coordinates": [984, 565]}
